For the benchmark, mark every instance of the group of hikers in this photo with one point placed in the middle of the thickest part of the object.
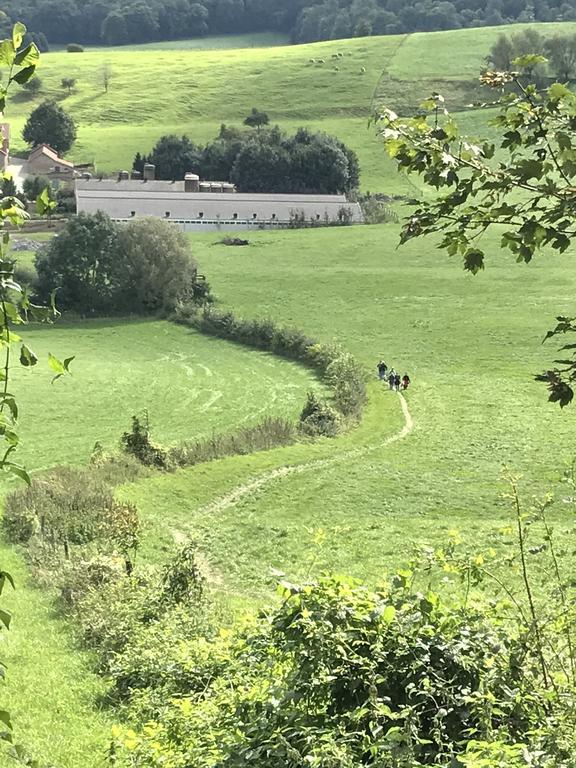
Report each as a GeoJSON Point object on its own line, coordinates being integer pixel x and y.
{"type": "Point", "coordinates": [395, 381]}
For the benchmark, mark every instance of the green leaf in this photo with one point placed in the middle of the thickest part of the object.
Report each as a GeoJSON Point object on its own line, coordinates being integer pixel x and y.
{"type": "Point", "coordinates": [18, 32]}
{"type": "Point", "coordinates": [24, 75]}
{"type": "Point", "coordinates": [558, 91]}
{"type": "Point", "coordinates": [7, 53]}
{"type": "Point", "coordinates": [28, 57]}
{"type": "Point", "coordinates": [18, 470]}
{"type": "Point", "coordinates": [27, 357]}
{"type": "Point", "coordinates": [44, 204]}
{"type": "Point", "coordinates": [529, 61]}
{"type": "Point", "coordinates": [389, 614]}
{"type": "Point", "coordinates": [474, 260]}
{"type": "Point", "coordinates": [60, 368]}
{"type": "Point", "coordinates": [5, 618]}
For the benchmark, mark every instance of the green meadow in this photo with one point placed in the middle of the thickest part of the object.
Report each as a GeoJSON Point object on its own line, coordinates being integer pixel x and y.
{"type": "Point", "coordinates": [174, 88]}
{"type": "Point", "coordinates": [356, 504]}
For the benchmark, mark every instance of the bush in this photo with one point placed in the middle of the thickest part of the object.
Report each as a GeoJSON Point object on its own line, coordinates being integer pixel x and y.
{"type": "Point", "coordinates": [348, 385]}
{"type": "Point", "coordinates": [163, 658]}
{"type": "Point", "coordinates": [342, 371]}
{"type": "Point", "coordinates": [74, 48]}
{"type": "Point", "coordinates": [100, 267]}
{"type": "Point", "coordinates": [68, 506]}
{"type": "Point", "coordinates": [137, 443]}
{"type": "Point", "coordinates": [270, 433]}
{"type": "Point", "coordinates": [342, 676]}
{"type": "Point", "coordinates": [25, 275]}
{"type": "Point", "coordinates": [318, 419]}
{"type": "Point", "coordinates": [35, 185]}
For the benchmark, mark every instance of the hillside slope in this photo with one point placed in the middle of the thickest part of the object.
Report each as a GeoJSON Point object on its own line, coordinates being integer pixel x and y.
{"type": "Point", "coordinates": [155, 91]}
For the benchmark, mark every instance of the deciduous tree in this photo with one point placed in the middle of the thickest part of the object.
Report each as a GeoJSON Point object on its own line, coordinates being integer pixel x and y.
{"type": "Point", "coordinates": [50, 124]}
{"type": "Point", "coordinates": [523, 185]}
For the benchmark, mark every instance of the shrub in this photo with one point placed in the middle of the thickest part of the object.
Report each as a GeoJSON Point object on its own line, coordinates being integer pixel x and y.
{"type": "Point", "coordinates": [343, 372]}
{"type": "Point", "coordinates": [68, 506]}
{"type": "Point", "coordinates": [163, 657]}
{"type": "Point", "coordinates": [33, 86]}
{"type": "Point", "coordinates": [137, 443]}
{"type": "Point", "coordinates": [348, 385]}
{"type": "Point", "coordinates": [25, 275]}
{"type": "Point", "coordinates": [318, 419]}
{"type": "Point", "coordinates": [339, 675]}
{"type": "Point", "coordinates": [109, 613]}
{"type": "Point", "coordinates": [101, 267]}
{"type": "Point", "coordinates": [74, 48]}
{"type": "Point", "coordinates": [269, 433]}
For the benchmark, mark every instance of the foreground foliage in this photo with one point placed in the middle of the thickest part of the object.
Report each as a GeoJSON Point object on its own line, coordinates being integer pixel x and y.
{"type": "Point", "coordinates": [424, 671]}
{"type": "Point", "coordinates": [524, 187]}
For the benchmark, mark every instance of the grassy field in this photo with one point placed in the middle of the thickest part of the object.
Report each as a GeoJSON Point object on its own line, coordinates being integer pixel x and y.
{"type": "Point", "coordinates": [190, 385]}
{"type": "Point", "coordinates": [165, 88]}
{"type": "Point", "coordinates": [471, 346]}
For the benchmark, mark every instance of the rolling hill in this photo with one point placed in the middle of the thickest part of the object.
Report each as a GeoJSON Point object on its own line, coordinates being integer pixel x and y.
{"type": "Point", "coordinates": [156, 90]}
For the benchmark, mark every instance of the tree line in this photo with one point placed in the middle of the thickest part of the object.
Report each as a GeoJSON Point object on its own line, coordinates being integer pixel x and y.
{"type": "Point", "coordinates": [558, 50]}
{"type": "Point", "coordinates": [116, 22]}
{"type": "Point", "coordinates": [263, 160]}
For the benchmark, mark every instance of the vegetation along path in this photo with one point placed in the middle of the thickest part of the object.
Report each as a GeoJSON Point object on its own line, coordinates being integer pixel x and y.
{"type": "Point", "coordinates": [235, 496]}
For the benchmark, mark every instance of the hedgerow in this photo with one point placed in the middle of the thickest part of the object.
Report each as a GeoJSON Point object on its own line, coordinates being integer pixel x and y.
{"type": "Point", "coordinates": [342, 372]}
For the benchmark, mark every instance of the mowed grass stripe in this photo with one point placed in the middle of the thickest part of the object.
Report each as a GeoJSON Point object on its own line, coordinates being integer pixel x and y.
{"type": "Point", "coordinates": [191, 386]}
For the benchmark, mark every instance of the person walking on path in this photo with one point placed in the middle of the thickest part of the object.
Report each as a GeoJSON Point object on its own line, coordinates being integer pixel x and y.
{"type": "Point", "coordinates": [391, 378]}
{"type": "Point", "coordinates": [382, 368]}
{"type": "Point", "coordinates": [405, 381]}
{"type": "Point", "coordinates": [397, 382]}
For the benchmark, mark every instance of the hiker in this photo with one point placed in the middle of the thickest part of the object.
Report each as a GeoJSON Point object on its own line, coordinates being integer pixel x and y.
{"type": "Point", "coordinates": [397, 382]}
{"type": "Point", "coordinates": [391, 378]}
{"type": "Point", "coordinates": [382, 368]}
{"type": "Point", "coordinates": [405, 381]}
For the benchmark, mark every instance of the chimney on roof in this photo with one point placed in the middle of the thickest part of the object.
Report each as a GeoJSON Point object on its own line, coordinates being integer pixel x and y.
{"type": "Point", "coordinates": [149, 172]}
{"type": "Point", "coordinates": [191, 182]}
{"type": "Point", "coordinates": [123, 176]}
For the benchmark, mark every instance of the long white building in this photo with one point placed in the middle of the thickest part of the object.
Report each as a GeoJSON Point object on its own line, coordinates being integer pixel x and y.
{"type": "Point", "coordinates": [195, 205]}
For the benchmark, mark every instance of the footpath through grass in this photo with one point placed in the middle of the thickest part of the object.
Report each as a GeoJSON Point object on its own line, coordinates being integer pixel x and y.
{"type": "Point", "coordinates": [471, 346]}
{"type": "Point", "coordinates": [191, 385]}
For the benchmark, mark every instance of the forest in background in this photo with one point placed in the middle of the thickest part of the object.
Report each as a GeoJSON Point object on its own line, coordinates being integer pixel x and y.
{"type": "Point", "coordinates": [116, 22]}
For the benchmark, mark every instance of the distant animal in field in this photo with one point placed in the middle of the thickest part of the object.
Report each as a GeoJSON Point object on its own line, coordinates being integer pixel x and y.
{"type": "Point", "coordinates": [362, 70]}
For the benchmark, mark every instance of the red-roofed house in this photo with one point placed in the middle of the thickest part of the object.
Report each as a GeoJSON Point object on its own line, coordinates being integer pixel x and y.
{"type": "Point", "coordinates": [45, 161]}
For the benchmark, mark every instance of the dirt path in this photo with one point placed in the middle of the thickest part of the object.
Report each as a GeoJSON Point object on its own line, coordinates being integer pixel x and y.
{"type": "Point", "coordinates": [239, 493]}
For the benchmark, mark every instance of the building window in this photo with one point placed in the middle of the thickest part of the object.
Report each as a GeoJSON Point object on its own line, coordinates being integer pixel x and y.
{"type": "Point", "coordinates": [201, 215]}
{"type": "Point", "coordinates": [235, 215]}
{"type": "Point", "coordinates": [167, 214]}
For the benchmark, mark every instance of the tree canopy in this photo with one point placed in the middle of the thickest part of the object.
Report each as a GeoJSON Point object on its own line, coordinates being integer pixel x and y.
{"type": "Point", "coordinates": [267, 160]}
{"type": "Point", "coordinates": [99, 267]}
{"type": "Point", "coordinates": [116, 22]}
{"type": "Point", "coordinates": [522, 185]}
{"type": "Point", "coordinates": [50, 124]}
